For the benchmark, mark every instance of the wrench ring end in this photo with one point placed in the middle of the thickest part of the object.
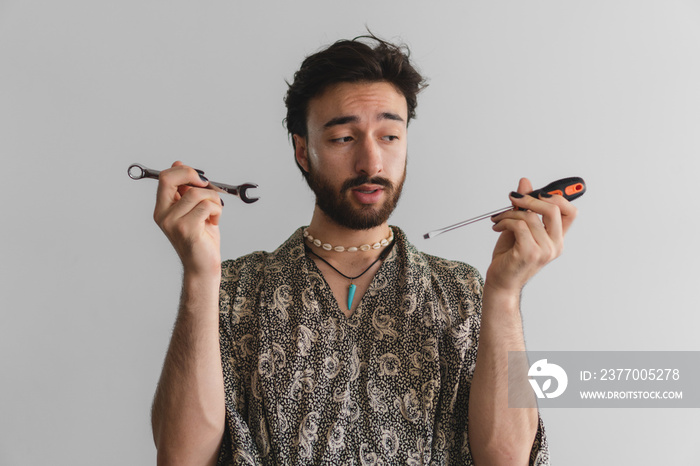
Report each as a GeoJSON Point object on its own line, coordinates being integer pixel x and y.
{"type": "Point", "coordinates": [136, 171]}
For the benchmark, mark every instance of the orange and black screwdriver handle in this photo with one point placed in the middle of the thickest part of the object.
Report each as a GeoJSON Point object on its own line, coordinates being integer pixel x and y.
{"type": "Point", "coordinates": [570, 188]}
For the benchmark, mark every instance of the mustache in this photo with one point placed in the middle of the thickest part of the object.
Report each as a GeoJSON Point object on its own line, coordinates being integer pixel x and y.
{"type": "Point", "coordinates": [360, 180]}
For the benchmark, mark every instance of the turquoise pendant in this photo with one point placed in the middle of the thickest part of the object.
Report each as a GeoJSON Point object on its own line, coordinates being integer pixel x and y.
{"type": "Point", "coordinates": [351, 295]}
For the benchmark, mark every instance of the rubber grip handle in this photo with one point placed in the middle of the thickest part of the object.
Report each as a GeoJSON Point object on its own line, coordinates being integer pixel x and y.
{"type": "Point", "coordinates": [570, 188]}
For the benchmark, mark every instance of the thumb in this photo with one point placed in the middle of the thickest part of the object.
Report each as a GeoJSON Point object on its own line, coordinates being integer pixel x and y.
{"type": "Point", "coordinates": [524, 186]}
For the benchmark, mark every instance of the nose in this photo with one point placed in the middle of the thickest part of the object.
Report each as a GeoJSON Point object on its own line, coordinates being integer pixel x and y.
{"type": "Point", "coordinates": [368, 159]}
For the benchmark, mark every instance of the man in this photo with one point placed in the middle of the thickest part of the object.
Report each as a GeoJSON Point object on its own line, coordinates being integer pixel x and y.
{"type": "Point", "coordinates": [347, 345]}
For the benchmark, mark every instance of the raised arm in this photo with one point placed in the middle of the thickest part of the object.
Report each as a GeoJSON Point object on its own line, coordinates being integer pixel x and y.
{"type": "Point", "coordinates": [499, 435]}
{"type": "Point", "coordinates": [188, 413]}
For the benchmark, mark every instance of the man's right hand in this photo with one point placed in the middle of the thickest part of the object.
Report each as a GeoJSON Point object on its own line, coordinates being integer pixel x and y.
{"type": "Point", "coordinates": [189, 217]}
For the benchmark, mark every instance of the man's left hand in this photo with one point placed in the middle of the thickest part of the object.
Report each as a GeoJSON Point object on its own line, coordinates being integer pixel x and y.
{"type": "Point", "coordinates": [529, 239]}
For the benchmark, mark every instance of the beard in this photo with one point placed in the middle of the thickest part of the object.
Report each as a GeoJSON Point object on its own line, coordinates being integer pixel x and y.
{"type": "Point", "coordinates": [337, 206]}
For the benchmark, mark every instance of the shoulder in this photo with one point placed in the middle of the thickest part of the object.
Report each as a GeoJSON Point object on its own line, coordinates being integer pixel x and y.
{"type": "Point", "coordinates": [460, 277]}
{"type": "Point", "coordinates": [251, 279]}
{"type": "Point", "coordinates": [231, 269]}
{"type": "Point", "coordinates": [444, 266]}
{"type": "Point", "coordinates": [452, 269]}
{"type": "Point", "coordinates": [256, 264]}
{"type": "Point", "coordinates": [439, 269]}
{"type": "Point", "coordinates": [449, 293]}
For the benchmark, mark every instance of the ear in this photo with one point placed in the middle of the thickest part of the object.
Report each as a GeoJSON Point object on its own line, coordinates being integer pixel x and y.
{"type": "Point", "coordinates": [301, 152]}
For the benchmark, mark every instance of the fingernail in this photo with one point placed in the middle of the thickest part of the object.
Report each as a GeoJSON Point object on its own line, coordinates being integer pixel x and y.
{"type": "Point", "coordinates": [222, 202]}
{"type": "Point", "coordinates": [203, 178]}
{"type": "Point", "coordinates": [545, 195]}
{"type": "Point", "coordinates": [201, 172]}
{"type": "Point", "coordinates": [516, 195]}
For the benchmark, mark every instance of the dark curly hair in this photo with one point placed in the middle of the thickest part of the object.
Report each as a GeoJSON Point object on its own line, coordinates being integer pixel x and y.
{"type": "Point", "coordinates": [351, 61]}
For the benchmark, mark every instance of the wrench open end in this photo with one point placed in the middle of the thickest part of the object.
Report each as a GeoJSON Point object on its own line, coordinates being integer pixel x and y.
{"type": "Point", "coordinates": [242, 189]}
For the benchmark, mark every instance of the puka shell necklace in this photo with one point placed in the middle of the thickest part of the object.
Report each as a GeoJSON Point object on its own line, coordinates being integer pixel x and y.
{"type": "Point", "coordinates": [365, 247]}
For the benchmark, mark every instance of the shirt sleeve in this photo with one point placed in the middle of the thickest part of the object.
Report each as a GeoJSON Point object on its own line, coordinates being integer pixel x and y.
{"type": "Point", "coordinates": [539, 455]}
{"type": "Point", "coordinates": [238, 444]}
{"type": "Point", "coordinates": [469, 323]}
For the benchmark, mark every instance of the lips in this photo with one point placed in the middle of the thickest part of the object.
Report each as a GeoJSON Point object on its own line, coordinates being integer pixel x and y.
{"type": "Point", "coordinates": [368, 193]}
{"type": "Point", "coordinates": [367, 188]}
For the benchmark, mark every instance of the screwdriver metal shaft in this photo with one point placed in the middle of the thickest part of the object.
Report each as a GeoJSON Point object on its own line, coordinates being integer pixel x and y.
{"type": "Point", "coordinates": [434, 233]}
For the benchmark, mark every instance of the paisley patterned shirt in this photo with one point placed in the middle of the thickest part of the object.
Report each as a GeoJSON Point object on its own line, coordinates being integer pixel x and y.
{"type": "Point", "coordinates": [389, 385]}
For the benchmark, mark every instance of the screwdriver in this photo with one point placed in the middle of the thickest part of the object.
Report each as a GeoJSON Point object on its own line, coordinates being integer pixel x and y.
{"type": "Point", "coordinates": [570, 188]}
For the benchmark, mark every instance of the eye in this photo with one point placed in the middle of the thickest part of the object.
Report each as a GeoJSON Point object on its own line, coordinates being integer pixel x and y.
{"type": "Point", "coordinates": [342, 139]}
{"type": "Point", "coordinates": [390, 138]}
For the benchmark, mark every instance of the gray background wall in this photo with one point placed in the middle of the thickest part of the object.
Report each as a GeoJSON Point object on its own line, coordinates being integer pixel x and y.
{"type": "Point", "coordinates": [607, 90]}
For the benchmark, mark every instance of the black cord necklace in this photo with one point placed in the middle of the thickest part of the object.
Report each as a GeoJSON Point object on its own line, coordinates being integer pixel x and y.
{"type": "Point", "coordinates": [352, 287]}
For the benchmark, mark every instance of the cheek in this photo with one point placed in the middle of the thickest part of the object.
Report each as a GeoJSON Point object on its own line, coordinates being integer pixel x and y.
{"type": "Point", "coordinates": [398, 162]}
{"type": "Point", "coordinates": [332, 163]}
{"type": "Point", "coordinates": [315, 160]}
{"type": "Point", "coordinates": [320, 167]}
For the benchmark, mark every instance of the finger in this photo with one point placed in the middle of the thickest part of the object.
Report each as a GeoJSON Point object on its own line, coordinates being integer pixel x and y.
{"type": "Point", "coordinates": [524, 186]}
{"type": "Point", "coordinates": [189, 227]}
{"type": "Point", "coordinates": [207, 211]}
{"type": "Point", "coordinates": [184, 188]}
{"type": "Point", "coordinates": [556, 220]}
{"type": "Point", "coordinates": [524, 241]}
{"type": "Point", "coordinates": [567, 211]}
{"type": "Point", "coordinates": [551, 216]}
{"type": "Point", "coordinates": [538, 231]}
{"type": "Point", "coordinates": [532, 245]}
{"type": "Point", "coordinates": [192, 200]}
{"type": "Point", "coordinates": [171, 186]}
{"type": "Point", "coordinates": [550, 212]}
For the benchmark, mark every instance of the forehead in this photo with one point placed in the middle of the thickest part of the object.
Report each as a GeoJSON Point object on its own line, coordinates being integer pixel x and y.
{"type": "Point", "coordinates": [362, 100]}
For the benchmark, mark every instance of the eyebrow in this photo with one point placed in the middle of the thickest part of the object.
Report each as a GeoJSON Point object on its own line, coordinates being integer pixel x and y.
{"type": "Point", "coordinates": [343, 120]}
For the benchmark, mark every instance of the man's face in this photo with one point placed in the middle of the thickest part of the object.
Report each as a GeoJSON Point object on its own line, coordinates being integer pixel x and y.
{"type": "Point", "coordinates": [355, 152]}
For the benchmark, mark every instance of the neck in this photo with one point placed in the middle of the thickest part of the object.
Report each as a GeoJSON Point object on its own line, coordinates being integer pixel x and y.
{"type": "Point", "coordinates": [328, 231]}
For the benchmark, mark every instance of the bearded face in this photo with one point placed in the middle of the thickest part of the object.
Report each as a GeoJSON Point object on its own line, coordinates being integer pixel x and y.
{"type": "Point", "coordinates": [355, 152]}
{"type": "Point", "coordinates": [339, 206]}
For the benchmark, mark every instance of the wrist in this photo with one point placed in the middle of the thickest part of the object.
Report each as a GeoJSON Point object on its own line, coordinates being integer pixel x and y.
{"type": "Point", "coordinates": [201, 290]}
{"type": "Point", "coordinates": [503, 291]}
{"type": "Point", "coordinates": [504, 280]}
{"type": "Point", "coordinates": [506, 300]}
{"type": "Point", "coordinates": [201, 268]}
{"type": "Point", "coordinates": [200, 277]}
{"type": "Point", "coordinates": [501, 322]}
